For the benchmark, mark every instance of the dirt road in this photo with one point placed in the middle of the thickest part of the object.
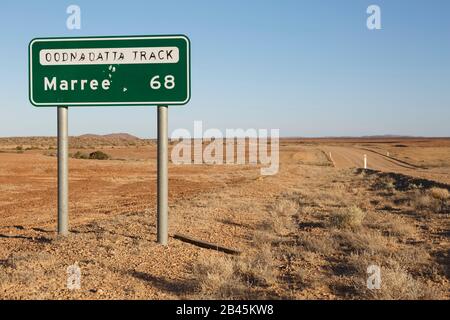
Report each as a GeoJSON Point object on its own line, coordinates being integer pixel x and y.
{"type": "Point", "coordinates": [348, 157]}
{"type": "Point", "coordinates": [353, 157]}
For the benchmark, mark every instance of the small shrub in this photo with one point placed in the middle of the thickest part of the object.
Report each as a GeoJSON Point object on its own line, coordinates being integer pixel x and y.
{"type": "Point", "coordinates": [320, 245]}
{"type": "Point", "coordinates": [284, 207]}
{"type": "Point", "coordinates": [368, 241]}
{"type": "Point", "coordinates": [280, 221]}
{"type": "Point", "coordinates": [215, 276]}
{"type": "Point", "coordinates": [399, 228]}
{"type": "Point", "coordinates": [351, 217]}
{"type": "Point", "coordinates": [99, 155]}
{"type": "Point", "coordinates": [439, 193]}
{"type": "Point", "coordinates": [398, 284]}
{"type": "Point", "coordinates": [19, 148]}
{"type": "Point", "coordinates": [80, 155]}
{"type": "Point", "coordinates": [387, 184]}
{"type": "Point", "coordinates": [257, 269]}
{"type": "Point", "coordinates": [435, 200]}
{"type": "Point", "coordinates": [403, 230]}
{"type": "Point", "coordinates": [50, 154]}
{"type": "Point", "coordinates": [33, 148]}
{"type": "Point", "coordinates": [248, 276]}
{"type": "Point", "coordinates": [333, 197]}
{"type": "Point", "coordinates": [424, 201]}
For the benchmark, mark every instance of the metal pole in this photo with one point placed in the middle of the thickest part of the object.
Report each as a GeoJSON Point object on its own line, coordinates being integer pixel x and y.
{"type": "Point", "coordinates": [163, 181]}
{"type": "Point", "coordinates": [63, 172]}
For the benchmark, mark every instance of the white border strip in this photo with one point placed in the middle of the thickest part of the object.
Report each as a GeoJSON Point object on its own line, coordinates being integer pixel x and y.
{"type": "Point", "coordinates": [108, 56]}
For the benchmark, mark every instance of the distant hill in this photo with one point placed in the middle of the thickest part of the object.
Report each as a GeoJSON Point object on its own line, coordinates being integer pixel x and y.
{"type": "Point", "coordinates": [368, 137]}
{"type": "Point", "coordinates": [118, 136]}
{"type": "Point", "coordinates": [80, 142]}
{"type": "Point", "coordinates": [390, 136]}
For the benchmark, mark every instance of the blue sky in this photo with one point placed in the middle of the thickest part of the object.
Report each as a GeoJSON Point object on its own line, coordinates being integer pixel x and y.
{"type": "Point", "coordinates": [309, 68]}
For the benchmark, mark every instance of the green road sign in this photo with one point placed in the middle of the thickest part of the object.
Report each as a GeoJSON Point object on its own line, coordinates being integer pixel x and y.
{"type": "Point", "coordinates": [106, 71]}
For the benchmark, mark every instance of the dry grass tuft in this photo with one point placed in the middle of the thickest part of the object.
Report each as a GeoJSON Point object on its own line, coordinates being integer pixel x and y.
{"type": "Point", "coordinates": [385, 183]}
{"type": "Point", "coordinates": [348, 218]}
{"type": "Point", "coordinates": [335, 196]}
{"type": "Point", "coordinates": [248, 276]}
{"type": "Point", "coordinates": [434, 200]}
{"type": "Point", "coordinates": [399, 228]}
{"type": "Point", "coordinates": [423, 201]}
{"type": "Point", "coordinates": [398, 284]}
{"type": "Point", "coordinates": [216, 278]}
{"type": "Point", "coordinates": [281, 214]}
{"type": "Point", "coordinates": [284, 207]}
{"type": "Point", "coordinates": [367, 241]}
{"type": "Point", "coordinates": [243, 277]}
{"type": "Point", "coordinates": [320, 245]}
{"type": "Point", "coordinates": [258, 268]}
{"type": "Point", "coordinates": [439, 193]}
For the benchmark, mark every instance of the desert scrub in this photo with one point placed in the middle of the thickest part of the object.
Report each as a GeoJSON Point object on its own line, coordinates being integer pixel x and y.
{"type": "Point", "coordinates": [439, 193]}
{"type": "Point", "coordinates": [244, 277]}
{"type": "Point", "coordinates": [215, 277]}
{"type": "Point", "coordinates": [250, 275]}
{"type": "Point", "coordinates": [366, 241]}
{"type": "Point", "coordinates": [398, 284]}
{"type": "Point", "coordinates": [99, 155]}
{"type": "Point", "coordinates": [96, 155]}
{"type": "Point", "coordinates": [348, 218]}
{"type": "Point", "coordinates": [258, 268]}
{"type": "Point", "coordinates": [399, 228]}
{"type": "Point", "coordinates": [434, 200]}
{"type": "Point", "coordinates": [50, 154]}
{"type": "Point", "coordinates": [80, 155]}
{"type": "Point", "coordinates": [280, 217]}
{"type": "Point", "coordinates": [385, 183]}
{"type": "Point", "coordinates": [316, 244]}
{"type": "Point", "coordinates": [284, 207]}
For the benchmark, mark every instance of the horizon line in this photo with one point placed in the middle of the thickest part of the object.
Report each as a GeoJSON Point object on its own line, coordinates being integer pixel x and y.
{"type": "Point", "coordinates": [375, 136]}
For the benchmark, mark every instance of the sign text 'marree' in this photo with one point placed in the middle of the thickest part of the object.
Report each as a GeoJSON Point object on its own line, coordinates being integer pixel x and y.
{"type": "Point", "coordinates": [107, 71]}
